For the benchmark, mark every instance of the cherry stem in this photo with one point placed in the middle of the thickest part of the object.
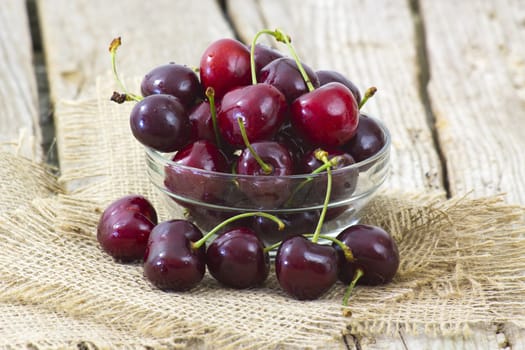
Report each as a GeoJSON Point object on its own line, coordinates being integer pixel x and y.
{"type": "Point", "coordinates": [210, 93]}
{"type": "Point", "coordinates": [323, 156]}
{"type": "Point", "coordinates": [357, 275]}
{"type": "Point", "coordinates": [368, 93]}
{"type": "Point", "coordinates": [115, 43]}
{"type": "Point", "coordinates": [332, 162]}
{"type": "Point", "coordinates": [266, 168]}
{"type": "Point", "coordinates": [196, 245]}
{"type": "Point", "coordinates": [252, 52]}
{"type": "Point", "coordinates": [282, 37]}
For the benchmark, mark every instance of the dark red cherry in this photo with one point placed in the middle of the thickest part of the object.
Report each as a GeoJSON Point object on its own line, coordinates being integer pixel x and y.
{"type": "Point", "coordinates": [170, 261]}
{"type": "Point", "coordinates": [367, 141]}
{"type": "Point", "coordinates": [327, 116]}
{"type": "Point", "coordinates": [331, 76]}
{"type": "Point", "coordinates": [287, 137]}
{"type": "Point", "coordinates": [173, 79]}
{"type": "Point", "coordinates": [201, 122]}
{"type": "Point", "coordinates": [264, 54]}
{"type": "Point", "coordinates": [261, 107]}
{"type": "Point", "coordinates": [344, 181]}
{"type": "Point", "coordinates": [160, 122]}
{"type": "Point", "coordinates": [225, 65]}
{"type": "Point", "coordinates": [304, 269]}
{"type": "Point", "coordinates": [285, 76]}
{"type": "Point", "coordinates": [237, 259]}
{"type": "Point", "coordinates": [132, 202]}
{"type": "Point", "coordinates": [375, 253]}
{"type": "Point", "coordinates": [187, 178]}
{"type": "Point", "coordinates": [124, 234]}
{"type": "Point", "coordinates": [295, 224]}
{"type": "Point", "coordinates": [268, 190]}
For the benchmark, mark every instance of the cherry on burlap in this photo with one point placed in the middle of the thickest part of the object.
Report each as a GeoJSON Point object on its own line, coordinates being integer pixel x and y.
{"type": "Point", "coordinates": [461, 262]}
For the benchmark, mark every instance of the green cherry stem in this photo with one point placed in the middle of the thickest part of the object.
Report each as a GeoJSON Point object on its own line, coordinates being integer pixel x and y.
{"type": "Point", "coordinates": [267, 169]}
{"type": "Point", "coordinates": [252, 51]}
{"type": "Point", "coordinates": [206, 237]}
{"type": "Point", "coordinates": [368, 93]}
{"type": "Point", "coordinates": [357, 275]}
{"type": "Point", "coordinates": [282, 37]}
{"type": "Point", "coordinates": [115, 43]}
{"type": "Point", "coordinates": [210, 93]}
{"type": "Point", "coordinates": [332, 162]}
{"type": "Point", "coordinates": [323, 156]}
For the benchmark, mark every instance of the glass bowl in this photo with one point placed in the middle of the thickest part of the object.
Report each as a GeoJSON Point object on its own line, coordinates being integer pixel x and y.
{"type": "Point", "coordinates": [211, 197]}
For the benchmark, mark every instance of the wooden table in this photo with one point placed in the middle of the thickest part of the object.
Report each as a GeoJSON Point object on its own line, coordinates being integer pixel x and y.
{"type": "Point", "coordinates": [450, 74]}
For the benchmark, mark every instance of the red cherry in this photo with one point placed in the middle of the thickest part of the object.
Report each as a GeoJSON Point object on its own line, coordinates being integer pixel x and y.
{"type": "Point", "coordinates": [304, 269]}
{"type": "Point", "coordinates": [261, 107]}
{"type": "Point", "coordinates": [170, 261]}
{"type": "Point", "coordinates": [267, 191]}
{"type": "Point", "coordinates": [187, 180]}
{"type": "Point", "coordinates": [327, 116]}
{"type": "Point", "coordinates": [173, 79]}
{"type": "Point", "coordinates": [237, 258]}
{"type": "Point", "coordinates": [124, 235]}
{"type": "Point", "coordinates": [375, 253]}
{"type": "Point", "coordinates": [225, 65]}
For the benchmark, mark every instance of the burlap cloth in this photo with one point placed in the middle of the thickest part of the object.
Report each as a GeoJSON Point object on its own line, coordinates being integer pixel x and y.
{"type": "Point", "coordinates": [462, 262]}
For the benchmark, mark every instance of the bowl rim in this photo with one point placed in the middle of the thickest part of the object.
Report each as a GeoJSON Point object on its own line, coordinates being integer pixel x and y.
{"type": "Point", "coordinates": [160, 157]}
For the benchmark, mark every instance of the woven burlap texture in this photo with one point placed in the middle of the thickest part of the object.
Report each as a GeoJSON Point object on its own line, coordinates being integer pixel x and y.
{"type": "Point", "coordinates": [461, 263]}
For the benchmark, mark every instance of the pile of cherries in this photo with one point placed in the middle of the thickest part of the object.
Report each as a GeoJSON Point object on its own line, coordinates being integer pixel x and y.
{"type": "Point", "coordinates": [175, 253]}
{"type": "Point", "coordinates": [251, 111]}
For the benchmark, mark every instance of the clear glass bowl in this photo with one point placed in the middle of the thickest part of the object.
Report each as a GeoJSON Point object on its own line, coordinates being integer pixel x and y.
{"type": "Point", "coordinates": [211, 197]}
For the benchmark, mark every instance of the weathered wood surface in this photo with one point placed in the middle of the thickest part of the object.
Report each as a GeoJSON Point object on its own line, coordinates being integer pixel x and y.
{"type": "Point", "coordinates": [19, 126]}
{"type": "Point", "coordinates": [476, 51]}
{"type": "Point", "coordinates": [77, 36]}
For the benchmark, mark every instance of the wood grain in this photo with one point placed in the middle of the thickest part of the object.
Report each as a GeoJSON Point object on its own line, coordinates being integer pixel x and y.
{"type": "Point", "coordinates": [327, 36]}
{"type": "Point", "coordinates": [476, 51]}
{"type": "Point", "coordinates": [77, 34]}
{"type": "Point", "coordinates": [19, 128]}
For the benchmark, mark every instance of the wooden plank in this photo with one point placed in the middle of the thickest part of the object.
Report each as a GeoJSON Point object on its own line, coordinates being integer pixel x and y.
{"type": "Point", "coordinates": [327, 36]}
{"type": "Point", "coordinates": [477, 89]}
{"type": "Point", "coordinates": [76, 36]}
{"type": "Point", "coordinates": [19, 126]}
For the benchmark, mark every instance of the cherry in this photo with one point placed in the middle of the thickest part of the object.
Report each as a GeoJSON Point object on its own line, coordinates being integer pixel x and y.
{"type": "Point", "coordinates": [171, 261]}
{"type": "Point", "coordinates": [287, 137]}
{"type": "Point", "coordinates": [264, 54]}
{"type": "Point", "coordinates": [237, 259]}
{"type": "Point", "coordinates": [295, 224]}
{"type": "Point", "coordinates": [344, 182]}
{"type": "Point", "coordinates": [124, 227]}
{"type": "Point", "coordinates": [268, 190]}
{"type": "Point", "coordinates": [374, 252]}
{"type": "Point", "coordinates": [160, 122]}
{"type": "Point", "coordinates": [132, 202]}
{"type": "Point", "coordinates": [225, 65]}
{"type": "Point", "coordinates": [186, 179]}
{"type": "Point", "coordinates": [173, 79]}
{"type": "Point", "coordinates": [284, 74]}
{"type": "Point", "coordinates": [327, 116]}
{"type": "Point", "coordinates": [331, 76]}
{"type": "Point", "coordinates": [367, 141]}
{"type": "Point", "coordinates": [201, 122]}
{"type": "Point", "coordinates": [262, 108]}
{"type": "Point", "coordinates": [304, 269]}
